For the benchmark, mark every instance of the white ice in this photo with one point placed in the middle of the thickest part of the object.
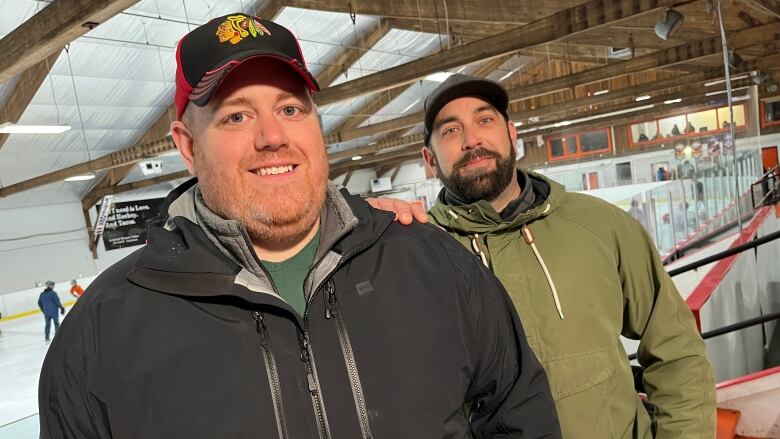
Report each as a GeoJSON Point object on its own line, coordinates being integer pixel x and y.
{"type": "Point", "coordinates": [22, 349]}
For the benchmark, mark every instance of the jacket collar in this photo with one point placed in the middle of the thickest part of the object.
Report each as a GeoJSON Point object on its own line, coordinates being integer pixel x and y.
{"type": "Point", "coordinates": [180, 259]}
{"type": "Point", "coordinates": [480, 217]}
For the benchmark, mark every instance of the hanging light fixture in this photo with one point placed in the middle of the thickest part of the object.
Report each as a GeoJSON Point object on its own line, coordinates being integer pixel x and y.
{"type": "Point", "coordinates": [82, 177]}
{"type": "Point", "coordinates": [668, 26]}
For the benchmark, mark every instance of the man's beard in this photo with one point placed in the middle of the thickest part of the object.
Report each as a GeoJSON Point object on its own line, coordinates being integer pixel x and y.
{"type": "Point", "coordinates": [479, 184]}
{"type": "Point", "coordinates": [273, 214]}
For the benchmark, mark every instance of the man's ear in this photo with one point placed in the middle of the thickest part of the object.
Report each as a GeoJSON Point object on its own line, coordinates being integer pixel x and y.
{"type": "Point", "coordinates": [512, 132]}
{"type": "Point", "coordinates": [182, 138]}
{"type": "Point", "coordinates": [430, 161]}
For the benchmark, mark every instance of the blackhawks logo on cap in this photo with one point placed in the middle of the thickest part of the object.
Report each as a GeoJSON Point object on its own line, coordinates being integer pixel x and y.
{"type": "Point", "coordinates": [238, 27]}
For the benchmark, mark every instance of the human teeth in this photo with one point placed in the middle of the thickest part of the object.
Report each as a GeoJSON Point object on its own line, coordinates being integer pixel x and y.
{"type": "Point", "coordinates": [275, 170]}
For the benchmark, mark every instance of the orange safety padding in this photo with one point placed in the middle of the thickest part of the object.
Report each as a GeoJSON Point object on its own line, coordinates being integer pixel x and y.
{"type": "Point", "coordinates": [727, 423]}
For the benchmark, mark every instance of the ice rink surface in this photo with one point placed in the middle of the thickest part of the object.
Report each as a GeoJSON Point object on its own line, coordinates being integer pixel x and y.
{"type": "Point", "coordinates": [22, 349]}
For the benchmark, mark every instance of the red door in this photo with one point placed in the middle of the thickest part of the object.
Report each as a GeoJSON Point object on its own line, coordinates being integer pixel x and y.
{"type": "Point", "coordinates": [769, 157]}
{"type": "Point", "coordinates": [593, 180]}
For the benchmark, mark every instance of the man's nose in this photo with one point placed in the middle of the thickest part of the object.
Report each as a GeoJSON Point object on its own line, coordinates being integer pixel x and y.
{"type": "Point", "coordinates": [471, 139]}
{"type": "Point", "coordinates": [271, 133]}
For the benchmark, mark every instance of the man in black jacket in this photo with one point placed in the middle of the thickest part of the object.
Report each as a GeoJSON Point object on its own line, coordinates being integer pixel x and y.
{"type": "Point", "coordinates": [267, 303]}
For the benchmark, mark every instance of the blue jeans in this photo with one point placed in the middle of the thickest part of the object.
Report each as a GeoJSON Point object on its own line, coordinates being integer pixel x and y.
{"type": "Point", "coordinates": [49, 318]}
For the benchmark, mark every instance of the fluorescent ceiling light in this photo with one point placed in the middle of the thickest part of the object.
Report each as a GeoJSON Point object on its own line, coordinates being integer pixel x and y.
{"type": "Point", "coordinates": [357, 157]}
{"type": "Point", "coordinates": [642, 98]}
{"type": "Point", "coordinates": [12, 128]}
{"type": "Point", "coordinates": [563, 123]}
{"type": "Point", "coordinates": [83, 177]}
{"type": "Point", "coordinates": [720, 81]}
{"type": "Point", "coordinates": [713, 93]}
{"type": "Point", "coordinates": [585, 119]}
{"type": "Point", "coordinates": [600, 92]}
{"type": "Point", "coordinates": [439, 76]}
{"type": "Point", "coordinates": [511, 72]}
{"type": "Point", "coordinates": [673, 101]}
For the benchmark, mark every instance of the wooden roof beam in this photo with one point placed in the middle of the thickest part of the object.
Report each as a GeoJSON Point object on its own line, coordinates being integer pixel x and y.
{"type": "Point", "coordinates": [649, 88]}
{"type": "Point", "coordinates": [408, 153]}
{"type": "Point", "coordinates": [49, 30]}
{"type": "Point", "coordinates": [500, 11]}
{"type": "Point", "coordinates": [687, 105]}
{"type": "Point", "coordinates": [666, 57]}
{"type": "Point", "coordinates": [140, 184]}
{"type": "Point", "coordinates": [118, 158]}
{"type": "Point", "coordinates": [387, 96]}
{"type": "Point", "coordinates": [587, 16]}
{"type": "Point", "coordinates": [352, 53]}
{"type": "Point", "coordinates": [23, 92]}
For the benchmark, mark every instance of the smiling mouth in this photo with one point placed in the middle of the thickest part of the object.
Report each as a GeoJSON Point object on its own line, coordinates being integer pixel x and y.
{"type": "Point", "coordinates": [274, 170]}
{"type": "Point", "coordinates": [475, 162]}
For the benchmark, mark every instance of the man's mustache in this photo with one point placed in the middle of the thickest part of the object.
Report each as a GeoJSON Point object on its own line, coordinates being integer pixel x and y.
{"type": "Point", "coordinates": [476, 154]}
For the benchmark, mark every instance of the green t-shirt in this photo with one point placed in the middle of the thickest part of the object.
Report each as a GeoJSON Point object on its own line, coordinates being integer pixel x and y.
{"type": "Point", "coordinates": [289, 275]}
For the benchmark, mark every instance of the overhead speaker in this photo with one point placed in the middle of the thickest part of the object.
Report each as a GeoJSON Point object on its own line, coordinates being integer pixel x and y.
{"type": "Point", "coordinates": [759, 77]}
{"type": "Point", "coordinates": [667, 27]}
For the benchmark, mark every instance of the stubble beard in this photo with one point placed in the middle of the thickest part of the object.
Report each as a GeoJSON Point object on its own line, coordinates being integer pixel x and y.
{"type": "Point", "coordinates": [275, 214]}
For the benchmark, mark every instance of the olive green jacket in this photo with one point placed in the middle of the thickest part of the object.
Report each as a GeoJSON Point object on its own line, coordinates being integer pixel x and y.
{"type": "Point", "coordinates": [592, 275]}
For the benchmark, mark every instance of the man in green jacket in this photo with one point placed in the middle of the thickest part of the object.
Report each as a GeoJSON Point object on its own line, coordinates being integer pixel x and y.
{"type": "Point", "coordinates": [580, 271]}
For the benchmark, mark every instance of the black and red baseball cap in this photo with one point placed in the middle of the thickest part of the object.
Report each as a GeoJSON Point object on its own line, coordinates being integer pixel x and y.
{"type": "Point", "coordinates": [206, 55]}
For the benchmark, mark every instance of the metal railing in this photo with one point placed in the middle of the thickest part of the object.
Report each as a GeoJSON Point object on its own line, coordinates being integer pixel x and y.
{"type": "Point", "coordinates": [717, 257]}
{"type": "Point", "coordinates": [768, 187]}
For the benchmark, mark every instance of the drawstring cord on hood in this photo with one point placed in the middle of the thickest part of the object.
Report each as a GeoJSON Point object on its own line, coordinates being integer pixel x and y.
{"type": "Point", "coordinates": [474, 242]}
{"type": "Point", "coordinates": [529, 238]}
{"type": "Point", "coordinates": [478, 250]}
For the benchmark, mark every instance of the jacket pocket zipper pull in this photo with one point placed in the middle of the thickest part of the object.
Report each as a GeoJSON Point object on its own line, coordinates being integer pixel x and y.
{"type": "Point", "coordinates": [330, 300]}
{"type": "Point", "coordinates": [261, 329]}
{"type": "Point", "coordinates": [305, 360]}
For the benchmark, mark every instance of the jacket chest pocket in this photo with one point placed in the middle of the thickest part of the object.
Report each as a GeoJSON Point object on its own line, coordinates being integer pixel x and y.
{"type": "Point", "coordinates": [582, 386]}
{"type": "Point", "coordinates": [579, 372]}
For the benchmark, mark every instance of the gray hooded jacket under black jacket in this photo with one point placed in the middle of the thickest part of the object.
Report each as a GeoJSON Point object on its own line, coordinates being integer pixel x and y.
{"type": "Point", "coordinates": [405, 335]}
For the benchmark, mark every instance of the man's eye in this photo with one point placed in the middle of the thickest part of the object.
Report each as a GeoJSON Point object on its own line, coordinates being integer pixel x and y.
{"type": "Point", "coordinates": [485, 120]}
{"type": "Point", "coordinates": [290, 110]}
{"type": "Point", "coordinates": [236, 117]}
{"type": "Point", "coordinates": [449, 131]}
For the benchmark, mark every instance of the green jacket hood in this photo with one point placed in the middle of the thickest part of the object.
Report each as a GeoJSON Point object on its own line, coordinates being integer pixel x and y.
{"type": "Point", "coordinates": [480, 217]}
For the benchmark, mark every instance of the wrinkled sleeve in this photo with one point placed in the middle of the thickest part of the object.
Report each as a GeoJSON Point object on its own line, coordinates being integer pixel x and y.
{"type": "Point", "coordinates": [68, 407]}
{"type": "Point", "coordinates": [510, 392]}
{"type": "Point", "coordinates": [678, 376]}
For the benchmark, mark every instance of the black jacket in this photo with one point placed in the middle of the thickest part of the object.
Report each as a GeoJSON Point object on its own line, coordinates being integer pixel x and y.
{"type": "Point", "coordinates": [405, 335]}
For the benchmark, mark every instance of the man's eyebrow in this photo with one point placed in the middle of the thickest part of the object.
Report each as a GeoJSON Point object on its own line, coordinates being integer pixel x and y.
{"type": "Point", "coordinates": [303, 97]}
{"type": "Point", "coordinates": [486, 108]}
{"type": "Point", "coordinates": [238, 100]}
{"type": "Point", "coordinates": [446, 120]}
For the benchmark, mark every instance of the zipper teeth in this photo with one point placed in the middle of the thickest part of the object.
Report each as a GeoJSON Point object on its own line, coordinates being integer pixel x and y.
{"type": "Point", "coordinates": [271, 362]}
{"type": "Point", "coordinates": [273, 377]}
{"type": "Point", "coordinates": [357, 391]}
{"type": "Point", "coordinates": [319, 408]}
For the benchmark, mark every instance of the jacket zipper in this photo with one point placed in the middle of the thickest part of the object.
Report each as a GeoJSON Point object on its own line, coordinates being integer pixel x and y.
{"type": "Point", "coordinates": [307, 355]}
{"type": "Point", "coordinates": [331, 310]}
{"type": "Point", "coordinates": [273, 376]}
{"type": "Point", "coordinates": [314, 387]}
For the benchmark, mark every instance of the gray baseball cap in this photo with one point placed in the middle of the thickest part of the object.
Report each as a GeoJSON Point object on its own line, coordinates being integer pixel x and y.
{"type": "Point", "coordinates": [458, 86]}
